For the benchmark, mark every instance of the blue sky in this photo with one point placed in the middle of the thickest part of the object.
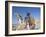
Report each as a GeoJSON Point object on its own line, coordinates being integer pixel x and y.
{"type": "Point", "coordinates": [35, 11]}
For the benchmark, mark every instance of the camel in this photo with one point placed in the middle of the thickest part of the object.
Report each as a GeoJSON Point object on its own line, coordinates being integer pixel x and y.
{"type": "Point", "coordinates": [29, 24]}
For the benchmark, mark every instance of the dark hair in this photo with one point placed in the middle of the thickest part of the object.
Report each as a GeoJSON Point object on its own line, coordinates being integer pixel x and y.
{"type": "Point", "coordinates": [28, 14]}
